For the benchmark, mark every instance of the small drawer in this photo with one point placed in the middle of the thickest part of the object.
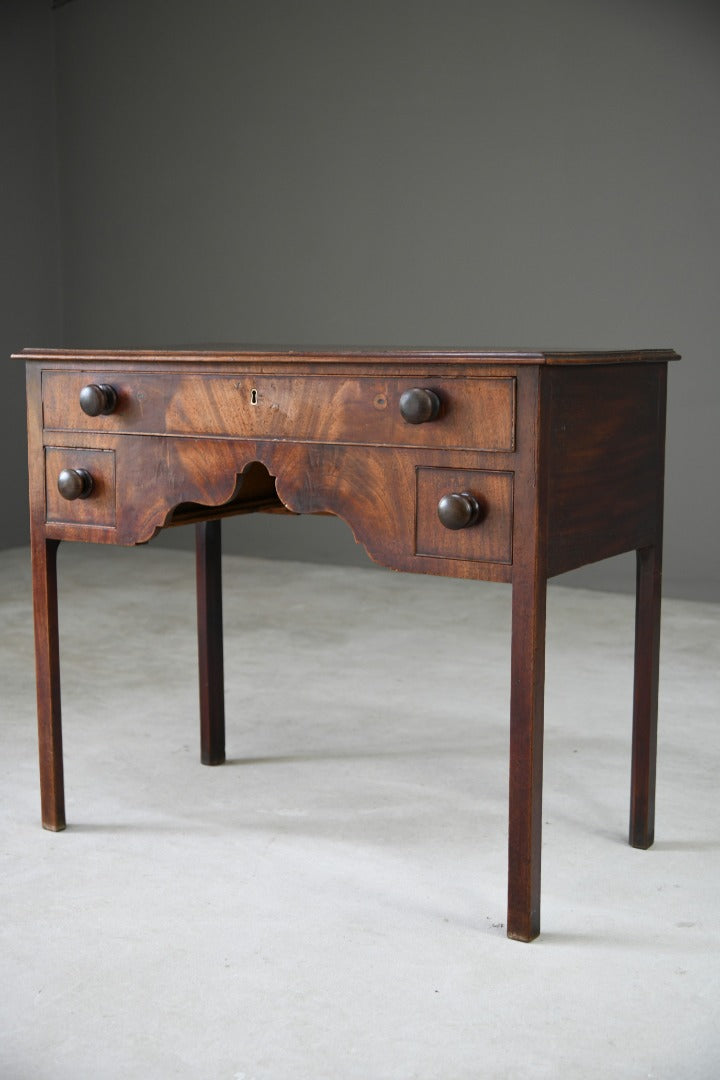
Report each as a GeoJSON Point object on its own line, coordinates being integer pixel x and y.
{"type": "Point", "coordinates": [97, 508]}
{"type": "Point", "coordinates": [473, 413]}
{"type": "Point", "coordinates": [487, 539]}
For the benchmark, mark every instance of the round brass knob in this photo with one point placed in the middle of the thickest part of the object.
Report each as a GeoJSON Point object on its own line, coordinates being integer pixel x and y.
{"type": "Point", "coordinates": [458, 511]}
{"type": "Point", "coordinates": [75, 484]}
{"type": "Point", "coordinates": [418, 405]}
{"type": "Point", "coordinates": [97, 400]}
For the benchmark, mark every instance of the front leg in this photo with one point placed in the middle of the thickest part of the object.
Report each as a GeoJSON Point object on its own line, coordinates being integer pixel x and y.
{"type": "Point", "coordinates": [47, 663]}
{"type": "Point", "coordinates": [645, 698]}
{"type": "Point", "coordinates": [526, 755]}
{"type": "Point", "coordinates": [208, 550]}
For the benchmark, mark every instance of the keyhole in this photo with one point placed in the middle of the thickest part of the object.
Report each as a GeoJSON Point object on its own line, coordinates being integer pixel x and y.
{"type": "Point", "coordinates": [253, 397]}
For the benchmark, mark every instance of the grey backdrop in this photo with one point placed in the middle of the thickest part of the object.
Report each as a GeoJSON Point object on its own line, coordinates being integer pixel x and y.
{"type": "Point", "coordinates": [506, 172]}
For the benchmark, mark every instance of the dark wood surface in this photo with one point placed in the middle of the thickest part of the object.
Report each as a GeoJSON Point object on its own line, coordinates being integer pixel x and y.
{"type": "Point", "coordinates": [560, 453]}
{"type": "Point", "coordinates": [605, 440]}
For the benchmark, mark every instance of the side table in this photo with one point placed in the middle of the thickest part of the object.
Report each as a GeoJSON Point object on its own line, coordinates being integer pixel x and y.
{"type": "Point", "coordinates": [505, 466]}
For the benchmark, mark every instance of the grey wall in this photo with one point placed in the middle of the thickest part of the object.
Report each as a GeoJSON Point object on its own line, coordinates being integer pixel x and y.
{"type": "Point", "coordinates": [29, 250]}
{"type": "Point", "coordinates": [487, 173]}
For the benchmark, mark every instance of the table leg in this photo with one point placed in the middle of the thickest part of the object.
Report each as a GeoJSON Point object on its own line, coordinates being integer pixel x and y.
{"type": "Point", "coordinates": [526, 756]}
{"type": "Point", "coordinates": [47, 666]}
{"type": "Point", "coordinates": [645, 701]}
{"type": "Point", "coordinates": [208, 549]}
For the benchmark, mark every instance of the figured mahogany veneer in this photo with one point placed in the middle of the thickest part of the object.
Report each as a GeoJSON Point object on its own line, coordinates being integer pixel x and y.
{"type": "Point", "coordinates": [477, 413]}
{"type": "Point", "coordinates": [499, 465]}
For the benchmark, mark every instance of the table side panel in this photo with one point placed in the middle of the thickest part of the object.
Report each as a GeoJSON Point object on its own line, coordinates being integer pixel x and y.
{"type": "Point", "coordinates": [604, 461]}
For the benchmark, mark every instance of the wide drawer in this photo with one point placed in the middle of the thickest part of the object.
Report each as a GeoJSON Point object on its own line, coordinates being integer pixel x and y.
{"type": "Point", "coordinates": [475, 413]}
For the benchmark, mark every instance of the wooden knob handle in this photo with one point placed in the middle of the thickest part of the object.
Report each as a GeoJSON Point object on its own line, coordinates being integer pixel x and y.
{"type": "Point", "coordinates": [75, 484]}
{"type": "Point", "coordinates": [98, 399]}
{"type": "Point", "coordinates": [459, 510]}
{"type": "Point", "coordinates": [418, 406]}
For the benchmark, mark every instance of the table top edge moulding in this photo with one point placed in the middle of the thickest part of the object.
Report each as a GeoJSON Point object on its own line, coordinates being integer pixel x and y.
{"type": "Point", "coordinates": [508, 465]}
{"type": "Point", "coordinates": [230, 354]}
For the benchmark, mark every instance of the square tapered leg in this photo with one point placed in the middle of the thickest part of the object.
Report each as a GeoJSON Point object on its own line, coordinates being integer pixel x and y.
{"type": "Point", "coordinates": [645, 697]}
{"type": "Point", "coordinates": [208, 549]}
{"type": "Point", "coordinates": [47, 665]}
{"type": "Point", "coordinates": [526, 757]}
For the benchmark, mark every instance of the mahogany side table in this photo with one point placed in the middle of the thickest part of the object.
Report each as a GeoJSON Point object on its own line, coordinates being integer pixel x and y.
{"type": "Point", "coordinates": [496, 465]}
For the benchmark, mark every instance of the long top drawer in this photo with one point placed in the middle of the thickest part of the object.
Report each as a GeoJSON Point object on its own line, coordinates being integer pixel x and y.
{"type": "Point", "coordinates": [475, 413]}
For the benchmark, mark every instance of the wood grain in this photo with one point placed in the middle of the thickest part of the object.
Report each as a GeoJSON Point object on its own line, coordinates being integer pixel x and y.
{"type": "Point", "coordinates": [476, 413]}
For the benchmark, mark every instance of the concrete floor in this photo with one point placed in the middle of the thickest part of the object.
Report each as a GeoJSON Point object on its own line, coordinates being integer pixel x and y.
{"type": "Point", "coordinates": [329, 905]}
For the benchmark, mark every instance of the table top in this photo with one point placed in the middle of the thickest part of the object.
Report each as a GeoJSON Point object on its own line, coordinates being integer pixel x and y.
{"type": "Point", "coordinates": [283, 354]}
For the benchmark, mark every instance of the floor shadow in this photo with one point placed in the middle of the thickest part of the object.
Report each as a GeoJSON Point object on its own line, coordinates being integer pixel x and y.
{"type": "Point", "coordinates": [359, 755]}
{"type": "Point", "coordinates": [135, 827]}
{"type": "Point", "coordinates": [697, 846]}
{"type": "Point", "coordinates": [565, 938]}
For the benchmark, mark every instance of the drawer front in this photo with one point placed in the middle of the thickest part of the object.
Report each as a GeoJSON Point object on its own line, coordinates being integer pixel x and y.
{"type": "Point", "coordinates": [489, 538]}
{"type": "Point", "coordinates": [98, 508]}
{"type": "Point", "coordinates": [474, 413]}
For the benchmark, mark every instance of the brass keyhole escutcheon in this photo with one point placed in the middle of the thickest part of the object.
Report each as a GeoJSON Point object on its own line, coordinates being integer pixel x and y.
{"type": "Point", "coordinates": [253, 397]}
